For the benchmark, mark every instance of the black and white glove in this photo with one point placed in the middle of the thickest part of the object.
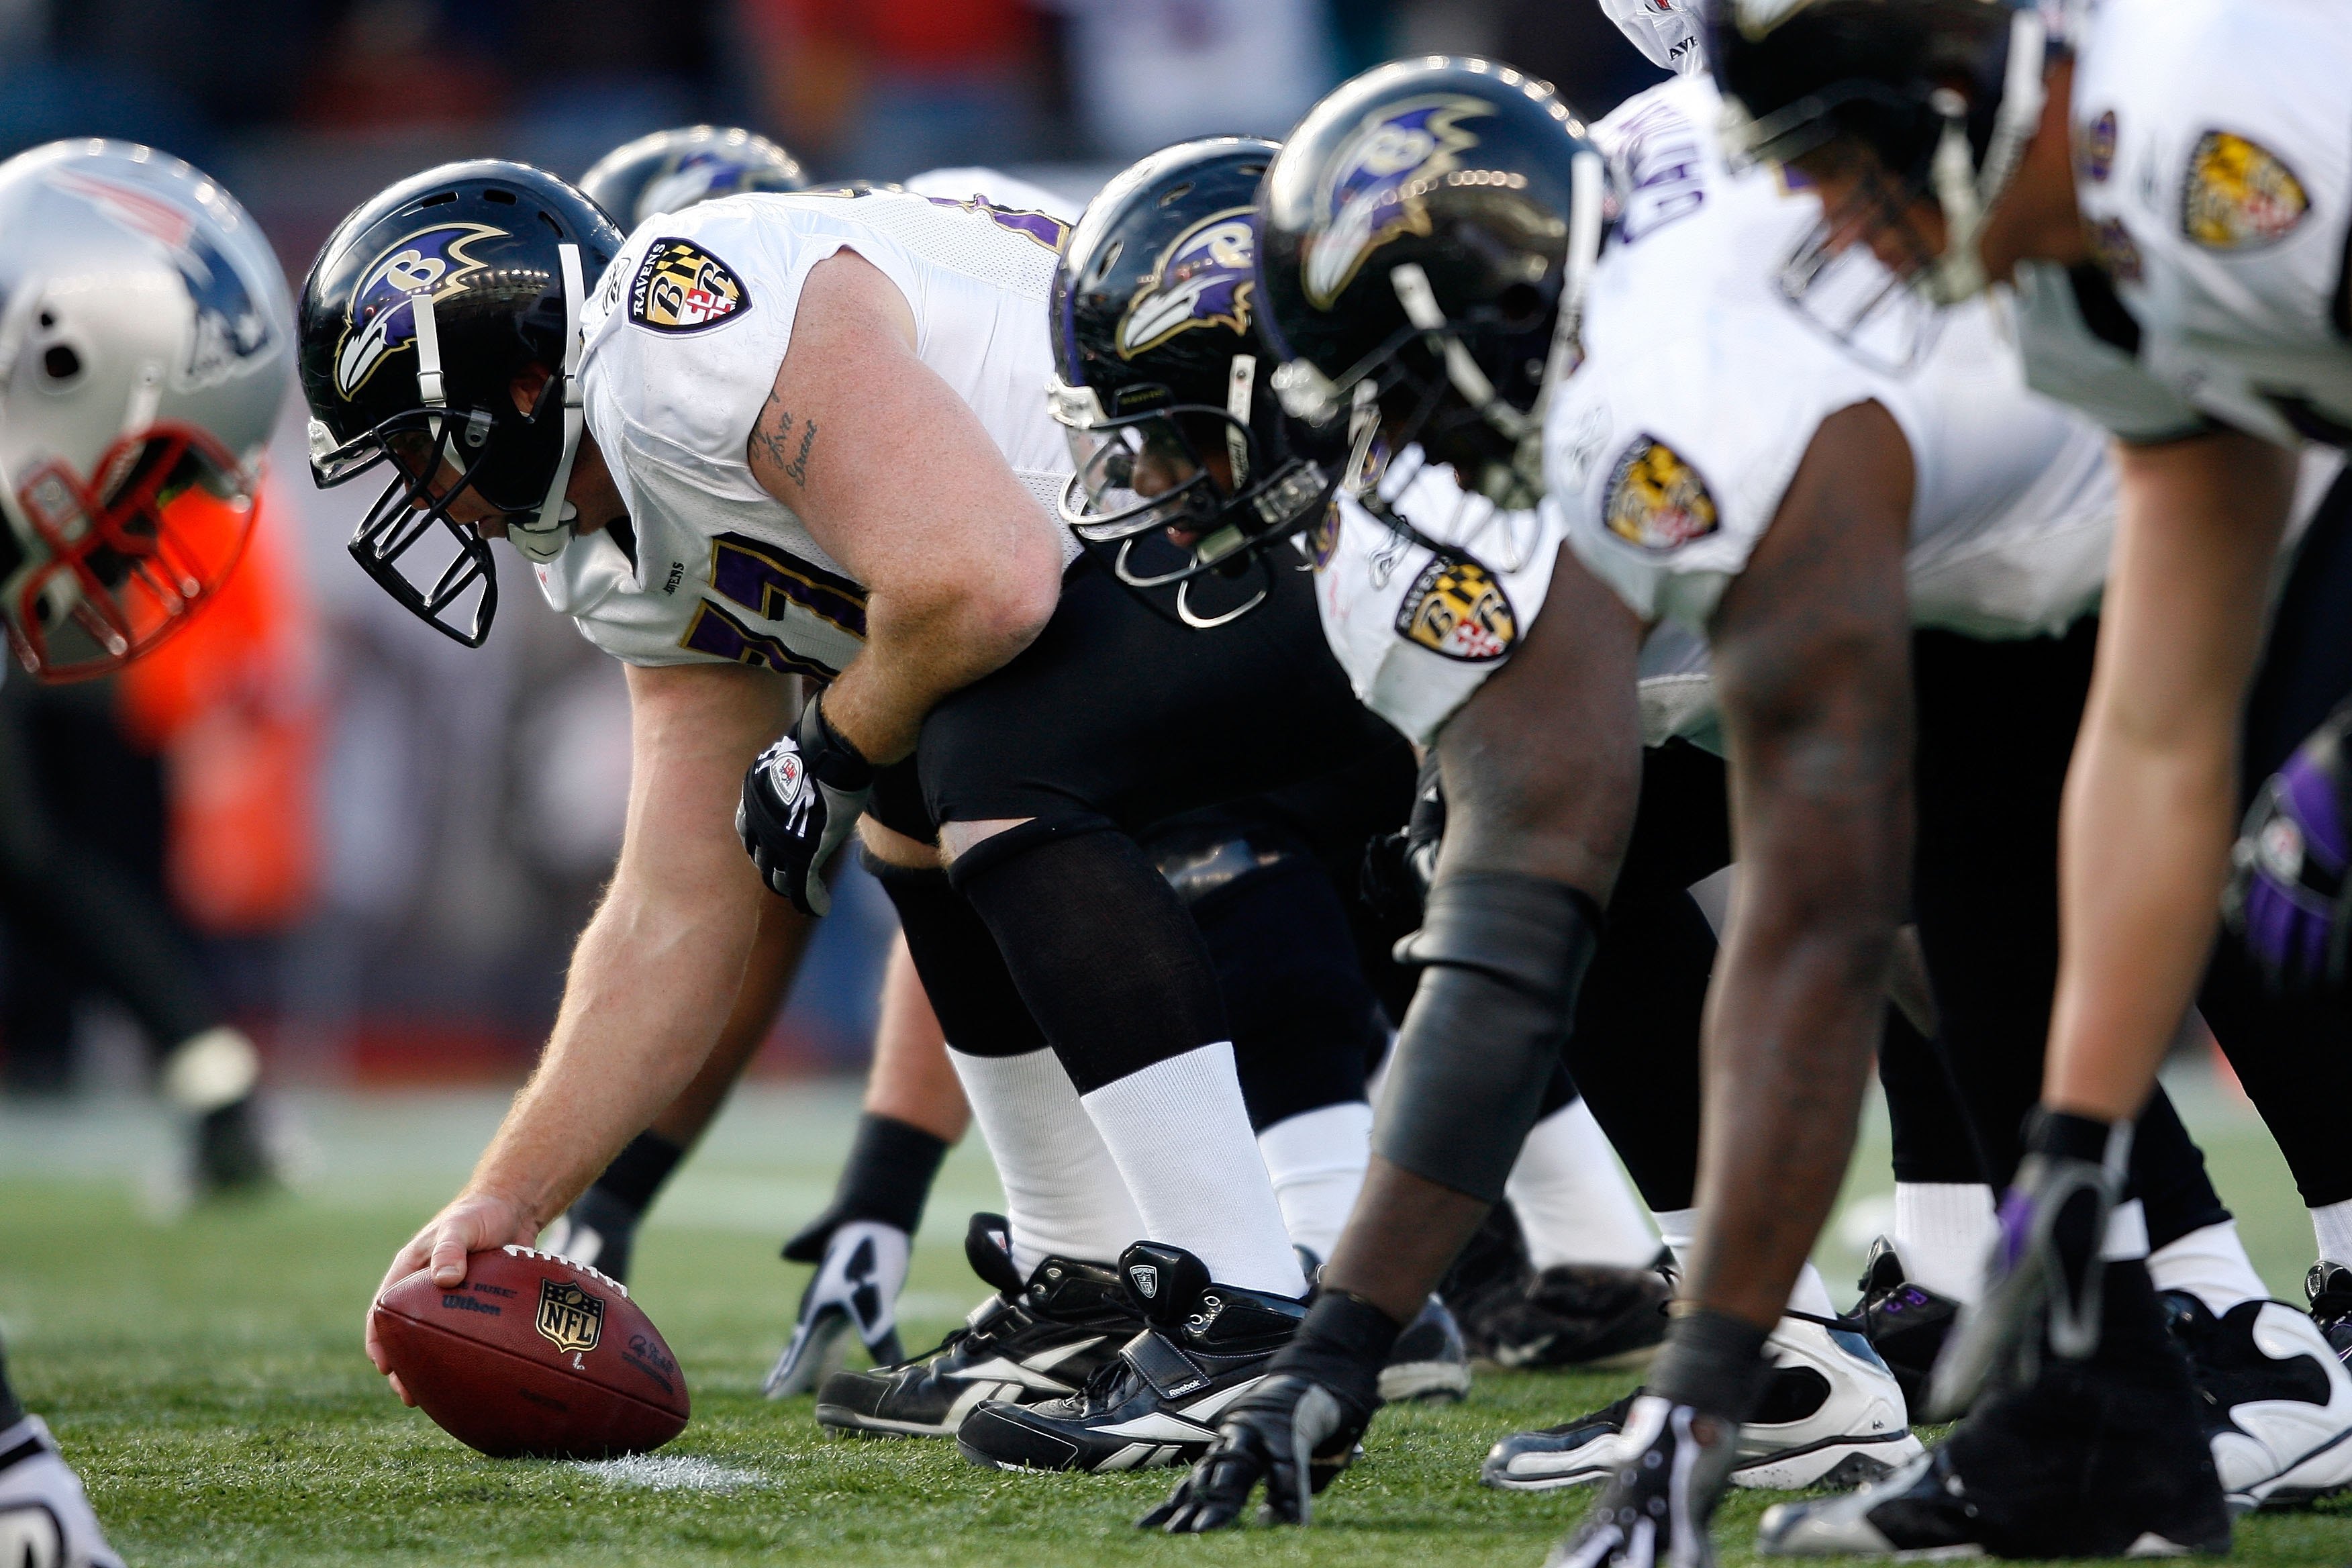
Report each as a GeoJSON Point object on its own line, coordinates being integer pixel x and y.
{"type": "Point", "coordinates": [801, 800]}
{"type": "Point", "coordinates": [1295, 1431]}
{"type": "Point", "coordinates": [1672, 1464]}
{"type": "Point", "coordinates": [854, 1291]}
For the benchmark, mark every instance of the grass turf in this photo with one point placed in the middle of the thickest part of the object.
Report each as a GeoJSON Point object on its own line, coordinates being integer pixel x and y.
{"type": "Point", "coordinates": [204, 1374]}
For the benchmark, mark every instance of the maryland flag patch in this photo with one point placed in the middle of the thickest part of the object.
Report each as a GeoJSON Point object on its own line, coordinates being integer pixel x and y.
{"type": "Point", "coordinates": [1455, 608]}
{"type": "Point", "coordinates": [682, 288]}
{"type": "Point", "coordinates": [2238, 195]}
{"type": "Point", "coordinates": [1655, 500]}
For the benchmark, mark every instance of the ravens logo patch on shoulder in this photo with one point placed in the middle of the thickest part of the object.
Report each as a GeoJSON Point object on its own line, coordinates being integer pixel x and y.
{"type": "Point", "coordinates": [1657, 500]}
{"type": "Point", "coordinates": [1457, 609]}
{"type": "Point", "coordinates": [2238, 195]}
{"type": "Point", "coordinates": [682, 288]}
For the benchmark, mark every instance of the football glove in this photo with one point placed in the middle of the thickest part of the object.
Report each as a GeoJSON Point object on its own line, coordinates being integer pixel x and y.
{"type": "Point", "coordinates": [801, 800]}
{"type": "Point", "coordinates": [1295, 1431]}
{"type": "Point", "coordinates": [2287, 898]}
{"type": "Point", "coordinates": [854, 1289]}
{"type": "Point", "coordinates": [1672, 1464]}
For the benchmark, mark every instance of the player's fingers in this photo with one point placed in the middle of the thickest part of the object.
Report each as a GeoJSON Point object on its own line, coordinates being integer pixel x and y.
{"type": "Point", "coordinates": [1159, 1518]}
{"type": "Point", "coordinates": [401, 1389]}
{"type": "Point", "coordinates": [448, 1259]}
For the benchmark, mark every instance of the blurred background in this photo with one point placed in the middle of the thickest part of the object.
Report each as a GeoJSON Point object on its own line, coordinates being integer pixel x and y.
{"type": "Point", "coordinates": [383, 841]}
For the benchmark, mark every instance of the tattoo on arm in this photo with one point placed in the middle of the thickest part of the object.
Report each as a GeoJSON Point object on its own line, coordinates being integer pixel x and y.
{"type": "Point", "coordinates": [772, 444]}
{"type": "Point", "coordinates": [797, 470]}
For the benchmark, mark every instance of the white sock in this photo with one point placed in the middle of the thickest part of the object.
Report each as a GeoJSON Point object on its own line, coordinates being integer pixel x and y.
{"type": "Point", "coordinates": [1062, 1194]}
{"type": "Point", "coordinates": [1676, 1227]}
{"type": "Point", "coordinates": [2126, 1236]}
{"type": "Point", "coordinates": [2212, 1262]}
{"type": "Point", "coordinates": [1573, 1202]}
{"type": "Point", "coordinates": [1181, 1139]}
{"type": "Point", "coordinates": [1944, 1231]}
{"type": "Point", "coordinates": [2331, 1226]}
{"type": "Point", "coordinates": [1315, 1160]}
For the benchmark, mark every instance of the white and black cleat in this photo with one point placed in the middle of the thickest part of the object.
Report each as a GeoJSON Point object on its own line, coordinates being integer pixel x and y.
{"type": "Point", "coordinates": [46, 1521]}
{"type": "Point", "coordinates": [855, 1291]}
{"type": "Point", "coordinates": [1039, 1341]}
{"type": "Point", "coordinates": [1430, 1364]}
{"type": "Point", "coordinates": [2276, 1403]}
{"type": "Point", "coordinates": [1202, 1347]}
{"type": "Point", "coordinates": [2328, 1288]}
{"type": "Point", "coordinates": [1831, 1415]}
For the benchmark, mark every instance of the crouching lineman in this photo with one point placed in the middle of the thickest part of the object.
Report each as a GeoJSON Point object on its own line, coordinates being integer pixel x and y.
{"type": "Point", "coordinates": [2187, 183]}
{"type": "Point", "coordinates": [145, 334]}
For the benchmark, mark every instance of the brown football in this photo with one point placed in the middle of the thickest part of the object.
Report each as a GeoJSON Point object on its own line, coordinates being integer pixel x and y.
{"type": "Point", "coordinates": [533, 1355]}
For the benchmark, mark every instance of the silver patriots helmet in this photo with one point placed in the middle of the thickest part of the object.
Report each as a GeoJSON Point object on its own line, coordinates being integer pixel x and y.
{"type": "Point", "coordinates": [671, 170]}
{"type": "Point", "coordinates": [145, 349]}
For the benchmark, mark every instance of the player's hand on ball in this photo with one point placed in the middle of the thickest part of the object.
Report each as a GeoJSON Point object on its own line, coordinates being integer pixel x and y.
{"type": "Point", "coordinates": [1292, 1432]}
{"type": "Point", "coordinates": [2287, 887]}
{"type": "Point", "coordinates": [473, 1222]}
{"type": "Point", "coordinates": [801, 800]}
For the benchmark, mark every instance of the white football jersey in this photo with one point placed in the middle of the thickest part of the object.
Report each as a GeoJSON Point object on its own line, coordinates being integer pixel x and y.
{"type": "Point", "coordinates": [685, 334]}
{"type": "Point", "coordinates": [1669, 448]}
{"type": "Point", "coordinates": [2213, 165]}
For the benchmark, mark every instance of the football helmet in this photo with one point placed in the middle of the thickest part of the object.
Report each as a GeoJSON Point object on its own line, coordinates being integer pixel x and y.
{"type": "Point", "coordinates": [423, 309]}
{"type": "Point", "coordinates": [143, 353]}
{"type": "Point", "coordinates": [1905, 100]}
{"type": "Point", "coordinates": [1425, 236]}
{"type": "Point", "coordinates": [1164, 389]}
{"type": "Point", "coordinates": [673, 169]}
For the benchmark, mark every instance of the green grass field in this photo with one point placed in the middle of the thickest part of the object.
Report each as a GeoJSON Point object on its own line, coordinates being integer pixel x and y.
{"type": "Point", "coordinates": [205, 1373]}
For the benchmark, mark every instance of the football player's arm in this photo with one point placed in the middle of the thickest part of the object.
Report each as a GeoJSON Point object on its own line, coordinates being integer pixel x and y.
{"type": "Point", "coordinates": [654, 974]}
{"type": "Point", "coordinates": [894, 477]}
{"type": "Point", "coordinates": [2152, 795]}
{"type": "Point", "coordinates": [1811, 660]}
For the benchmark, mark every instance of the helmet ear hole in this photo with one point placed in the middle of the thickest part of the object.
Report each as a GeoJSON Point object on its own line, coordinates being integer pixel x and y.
{"type": "Point", "coordinates": [1521, 306]}
{"type": "Point", "coordinates": [62, 364]}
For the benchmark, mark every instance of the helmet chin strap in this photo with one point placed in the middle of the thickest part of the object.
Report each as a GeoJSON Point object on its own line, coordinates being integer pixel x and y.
{"type": "Point", "coordinates": [545, 536]}
{"type": "Point", "coordinates": [1966, 191]}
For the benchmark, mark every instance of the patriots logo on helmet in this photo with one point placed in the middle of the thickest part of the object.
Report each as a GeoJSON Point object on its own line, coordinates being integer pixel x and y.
{"type": "Point", "coordinates": [1380, 177]}
{"type": "Point", "coordinates": [429, 264]}
{"type": "Point", "coordinates": [1204, 279]}
{"type": "Point", "coordinates": [232, 325]}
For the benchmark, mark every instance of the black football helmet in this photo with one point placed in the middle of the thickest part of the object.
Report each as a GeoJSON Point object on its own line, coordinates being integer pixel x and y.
{"type": "Point", "coordinates": [422, 308]}
{"type": "Point", "coordinates": [1423, 240]}
{"type": "Point", "coordinates": [1163, 387]}
{"type": "Point", "coordinates": [673, 169]}
{"type": "Point", "coordinates": [1908, 99]}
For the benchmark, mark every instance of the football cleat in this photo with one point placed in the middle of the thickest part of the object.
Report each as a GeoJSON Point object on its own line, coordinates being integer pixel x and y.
{"type": "Point", "coordinates": [1905, 1323]}
{"type": "Point", "coordinates": [1831, 1415]}
{"type": "Point", "coordinates": [2277, 1404]}
{"type": "Point", "coordinates": [854, 1290]}
{"type": "Point", "coordinates": [1429, 1364]}
{"type": "Point", "coordinates": [1592, 1315]}
{"type": "Point", "coordinates": [2102, 1457]}
{"type": "Point", "coordinates": [232, 1150]}
{"type": "Point", "coordinates": [1656, 1510]}
{"type": "Point", "coordinates": [1039, 1341]}
{"type": "Point", "coordinates": [2329, 1287]}
{"type": "Point", "coordinates": [1202, 1346]}
{"type": "Point", "coordinates": [597, 1230]}
{"type": "Point", "coordinates": [46, 1519]}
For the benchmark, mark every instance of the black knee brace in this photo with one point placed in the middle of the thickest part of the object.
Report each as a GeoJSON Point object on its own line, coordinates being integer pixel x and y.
{"type": "Point", "coordinates": [980, 1010]}
{"type": "Point", "coordinates": [1501, 957]}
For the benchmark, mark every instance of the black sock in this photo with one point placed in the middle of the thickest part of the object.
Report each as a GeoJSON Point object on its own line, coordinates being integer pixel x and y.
{"type": "Point", "coordinates": [888, 1175]}
{"type": "Point", "coordinates": [10, 1411]}
{"type": "Point", "coordinates": [1102, 951]}
{"type": "Point", "coordinates": [637, 1171]}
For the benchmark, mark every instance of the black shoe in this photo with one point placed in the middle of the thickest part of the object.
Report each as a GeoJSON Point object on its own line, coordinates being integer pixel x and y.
{"type": "Point", "coordinates": [2097, 1458]}
{"type": "Point", "coordinates": [233, 1155]}
{"type": "Point", "coordinates": [1429, 1364]}
{"type": "Point", "coordinates": [2329, 1287]}
{"type": "Point", "coordinates": [598, 1230]}
{"type": "Point", "coordinates": [1905, 1323]}
{"type": "Point", "coordinates": [1204, 1346]}
{"type": "Point", "coordinates": [1028, 1342]}
{"type": "Point", "coordinates": [2277, 1404]}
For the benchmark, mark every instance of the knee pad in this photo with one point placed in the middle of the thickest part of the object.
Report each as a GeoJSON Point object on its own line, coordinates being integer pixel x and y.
{"type": "Point", "coordinates": [1503, 957]}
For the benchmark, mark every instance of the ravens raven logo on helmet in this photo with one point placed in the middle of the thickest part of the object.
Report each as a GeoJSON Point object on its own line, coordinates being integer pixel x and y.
{"type": "Point", "coordinates": [1202, 279]}
{"type": "Point", "coordinates": [381, 316]}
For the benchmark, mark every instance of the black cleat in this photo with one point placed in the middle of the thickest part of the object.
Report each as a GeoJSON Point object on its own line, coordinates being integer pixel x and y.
{"type": "Point", "coordinates": [1905, 1323]}
{"type": "Point", "coordinates": [1592, 1316]}
{"type": "Point", "coordinates": [1028, 1342]}
{"type": "Point", "coordinates": [1429, 1364]}
{"type": "Point", "coordinates": [1204, 1346]}
{"type": "Point", "coordinates": [2103, 1457]}
{"type": "Point", "coordinates": [2277, 1404]}
{"type": "Point", "coordinates": [2328, 1288]}
{"type": "Point", "coordinates": [233, 1156]}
